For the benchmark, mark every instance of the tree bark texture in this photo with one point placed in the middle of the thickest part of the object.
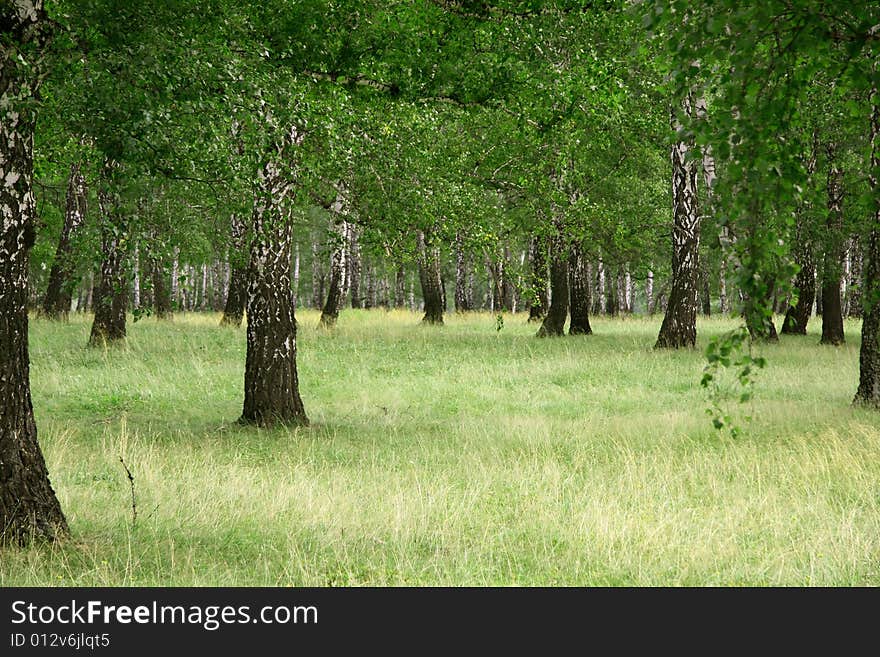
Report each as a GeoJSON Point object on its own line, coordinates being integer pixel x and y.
{"type": "Point", "coordinates": [580, 293]}
{"type": "Point", "coordinates": [869, 353]}
{"type": "Point", "coordinates": [554, 322]}
{"type": "Point", "coordinates": [431, 280]}
{"type": "Point", "coordinates": [29, 509]}
{"type": "Point", "coordinates": [271, 386]}
{"type": "Point", "coordinates": [111, 298]}
{"type": "Point", "coordinates": [56, 303]}
{"type": "Point", "coordinates": [679, 328]}
{"type": "Point", "coordinates": [832, 310]}
{"type": "Point", "coordinates": [236, 293]}
{"type": "Point", "coordinates": [338, 279]}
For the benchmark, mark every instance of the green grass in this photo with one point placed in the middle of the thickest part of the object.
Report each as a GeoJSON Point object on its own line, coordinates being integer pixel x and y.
{"type": "Point", "coordinates": [453, 455]}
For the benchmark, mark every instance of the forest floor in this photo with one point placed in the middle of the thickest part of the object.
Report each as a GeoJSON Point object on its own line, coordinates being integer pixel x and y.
{"type": "Point", "coordinates": [453, 455]}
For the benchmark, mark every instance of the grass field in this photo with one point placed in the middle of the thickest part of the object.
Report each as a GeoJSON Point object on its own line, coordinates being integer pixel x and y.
{"type": "Point", "coordinates": [453, 455]}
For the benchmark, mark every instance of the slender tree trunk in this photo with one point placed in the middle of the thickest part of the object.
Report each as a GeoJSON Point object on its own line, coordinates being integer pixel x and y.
{"type": "Point", "coordinates": [175, 281]}
{"type": "Point", "coordinates": [336, 288]}
{"type": "Point", "coordinates": [709, 176]}
{"type": "Point", "coordinates": [579, 293]}
{"type": "Point", "coordinates": [56, 303]}
{"type": "Point", "coordinates": [600, 285]}
{"type": "Point", "coordinates": [271, 386]}
{"type": "Point", "coordinates": [400, 287]}
{"type": "Point", "coordinates": [296, 275]}
{"type": "Point", "coordinates": [679, 327]}
{"type": "Point", "coordinates": [29, 509]}
{"type": "Point", "coordinates": [431, 280]}
{"type": "Point", "coordinates": [649, 292]}
{"type": "Point", "coordinates": [236, 293]}
{"type": "Point", "coordinates": [869, 353]}
{"type": "Point", "coordinates": [854, 299]}
{"type": "Point", "coordinates": [554, 322]}
{"type": "Point", "coordinates": [136, 282]}
{"type": "Point", "coordinates": [798, 316]}
{"type": "Point", "coordinates": [112, 296]}
{"type": "Point", "coordinates": [832, 311]}
{"type": "Point", "coordinates": [463, 301]}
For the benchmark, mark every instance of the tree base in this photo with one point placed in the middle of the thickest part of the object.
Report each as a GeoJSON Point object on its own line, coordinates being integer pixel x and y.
{"type": "Point", "coordinates": [269, 420]}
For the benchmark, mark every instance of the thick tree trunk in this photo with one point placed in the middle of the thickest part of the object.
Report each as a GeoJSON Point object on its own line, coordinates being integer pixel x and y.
{"type": "Point", "coordinates": [832, 311]}
{"type": "Point", "coordinates": [111, 298]}
{"type": "Point", "coordinates": [869, 353]}
{"type": "Point", "coordinates": [579, 293]}
{"type": "Point", "coordinates": [271, 386]}
{"type": "Point", "coordinates": [554, 322]}
{"type": "Point", "coordinates": [431, 280]}
{"type": "Point", "coordinates": [336, 288]}
{"type": "Point", "coordinates": [29, 509]}
{"type": "Point", "coordinates": [539, 299]}
{"type": "Point", "coordinates": [679, 328]}
{"type": "Point", "coordinates": [56, 303]}
{"type": "Point", "coordinates": [236, 293]}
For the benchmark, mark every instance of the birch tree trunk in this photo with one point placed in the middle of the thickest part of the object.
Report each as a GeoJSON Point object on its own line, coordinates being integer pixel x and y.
{"type": "Point", "coordinates": [175, 281]}
{"type": "Point", "coordinates": [338, 278]}
{"type": "Point", "coordinates": [798, 316]}
{"type": "Point", "coordinates": [29, 509]}
{"type": "Point", "coordinates": [271, 386]}
{"type": "Point", "coordinates": [430, 278]}
{"type": "Point", "coordinates": [111, 298]}
{"type": "Point", "coordinates": [400, 287]}
{"type": "Point", "coordinates": [296, 275]}
{"type": "Point", "coordinates": [554, 322]}
{"type": "Point", "coordinates": [854, 299]}
{"type": "Point", "coordinates": [236, 293]}
{"type": "Point", "coordinates": [56, 303]}
{"type": "Point", "coordinates": [136, 282]}
{"type": "Point", "coordinates": [832, 311]}
{"type": "Point", "coordinates": [869, 353]}
{"type": "Point", "coordinates": [679, 328]}
{"type": "Point", "coordinates": [579, 293]}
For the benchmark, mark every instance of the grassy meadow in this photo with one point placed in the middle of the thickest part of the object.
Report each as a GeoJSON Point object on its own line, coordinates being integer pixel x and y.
{"type": "Point", "coordinates": [452, 455]}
